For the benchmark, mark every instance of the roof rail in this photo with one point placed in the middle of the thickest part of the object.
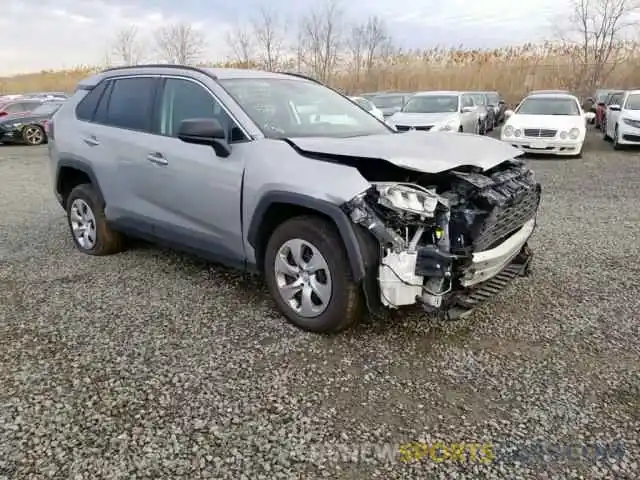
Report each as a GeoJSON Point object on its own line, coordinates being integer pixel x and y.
{"type": "Point", "coordinates": [158, 65]}
{"type": "Point", "coordinates": [301, 75]}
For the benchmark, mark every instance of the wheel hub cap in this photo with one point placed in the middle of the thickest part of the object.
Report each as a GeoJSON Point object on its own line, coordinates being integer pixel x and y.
{"type": "Point", "coordinates": [303, 278]}
{"type": "Point", "coordinates": [83, 224]}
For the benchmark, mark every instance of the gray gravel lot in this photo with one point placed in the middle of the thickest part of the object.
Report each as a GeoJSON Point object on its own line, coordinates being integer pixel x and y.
{"type": "Point", "coordinates": [152, 364]}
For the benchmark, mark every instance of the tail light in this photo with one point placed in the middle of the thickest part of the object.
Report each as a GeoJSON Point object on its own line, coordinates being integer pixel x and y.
{"type": "Point", "coordinates": [3, 114]}
{"type": "Point", "coordinates": [48, 128]}
{"type": "Point", "coordinates": [45, 126]}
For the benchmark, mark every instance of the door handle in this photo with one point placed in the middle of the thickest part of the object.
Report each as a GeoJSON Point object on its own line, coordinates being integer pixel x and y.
{"type": "Point", "coordinates": [91, 141]}
{"type": "Point", "coordinates": [157, 158]}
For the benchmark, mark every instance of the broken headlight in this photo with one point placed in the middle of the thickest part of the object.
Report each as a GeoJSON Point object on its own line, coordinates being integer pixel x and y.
{"type": "Point", "coordinates": [408, 198]}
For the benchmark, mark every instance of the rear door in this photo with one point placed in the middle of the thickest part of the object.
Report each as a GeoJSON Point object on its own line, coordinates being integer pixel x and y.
{"type": "Point", "coordinates": [120, 137]}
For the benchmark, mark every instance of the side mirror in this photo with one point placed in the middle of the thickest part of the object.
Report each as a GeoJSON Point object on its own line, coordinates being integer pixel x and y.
{"type": "Point", "coordinates": [589, 116]}
{"type": "Point", "coordinates": [501, 102]}
{"type": "Point", "coordinates": [614, 108]}
{"type": "Point", "coordinates": [205, 131]}
{"type": "Point", "coordinates": [467, 109]}
{"type": "Point", "coordinates": [508, 113]}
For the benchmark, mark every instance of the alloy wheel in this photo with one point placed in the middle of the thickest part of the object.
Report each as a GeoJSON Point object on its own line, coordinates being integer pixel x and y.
{"type": "Point", "coordinates": [34, 135]}
{"type": "Point", "coordinates": [303, 278]}
{"type": "Point", "coordinates": [83, 224]}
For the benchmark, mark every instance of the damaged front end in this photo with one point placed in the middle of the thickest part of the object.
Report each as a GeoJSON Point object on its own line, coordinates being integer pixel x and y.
{"type": "Point", "coordinates": [448, 241]}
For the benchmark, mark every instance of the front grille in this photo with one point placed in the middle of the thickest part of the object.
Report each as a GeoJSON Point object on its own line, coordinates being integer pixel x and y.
{"type": "Point", "coordinates": [406, 128]}
{"type": "Point", "coordinates": [539, 132]}
{"type": "Point", "coordinates": [506, 220]}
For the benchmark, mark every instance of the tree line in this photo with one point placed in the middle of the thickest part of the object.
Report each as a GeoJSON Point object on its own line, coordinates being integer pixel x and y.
{"type": "Point", "coordinates": [323, 42]}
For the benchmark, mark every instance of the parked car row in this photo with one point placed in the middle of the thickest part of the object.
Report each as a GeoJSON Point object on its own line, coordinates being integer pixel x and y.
{"type": "Point", "coordinates": [470, 112]}
{"type": "Point", "coordinates": [24, 118]}
{"type": "Point", "coordinates": [620, 118]}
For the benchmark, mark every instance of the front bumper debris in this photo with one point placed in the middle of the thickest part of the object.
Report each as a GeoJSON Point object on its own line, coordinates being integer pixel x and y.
{"type": "Point", "coordinates": [487, 264]}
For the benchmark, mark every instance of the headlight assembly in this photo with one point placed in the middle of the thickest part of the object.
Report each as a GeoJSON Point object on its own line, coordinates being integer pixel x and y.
{"type": "Point", "coordinates": [631, 122]}
{"type": "Point", "coordinates": [508, 131]}
{"type": "Point", "coordinates": [574, 133]}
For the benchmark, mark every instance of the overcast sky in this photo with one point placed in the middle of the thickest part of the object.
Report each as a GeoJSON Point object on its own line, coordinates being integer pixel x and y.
{"type": "Point", "coordinates": [65, 33]}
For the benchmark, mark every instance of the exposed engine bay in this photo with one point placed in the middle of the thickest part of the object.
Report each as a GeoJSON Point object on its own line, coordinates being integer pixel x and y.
{"type": "Point", "coordinates": [448, 239]}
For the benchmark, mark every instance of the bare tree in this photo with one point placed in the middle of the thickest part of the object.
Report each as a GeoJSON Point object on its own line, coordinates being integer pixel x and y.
{"type": "Point", "coordinates": [127, 47]}
{"type": "Point", "coordinates": [596, 35]}
{"type": "Point", "coordinates": [269, 33]}
{"type": "Point", "coordinates": [180, 43]}
{"type": "Point", "coordinates": [241, 44]}
{"type": "Point", "coordinates": [377, 41]}
{"type": "Point", "coordinates": [321, 35]}
{"type": "Point", "coordinates": [356, 44]}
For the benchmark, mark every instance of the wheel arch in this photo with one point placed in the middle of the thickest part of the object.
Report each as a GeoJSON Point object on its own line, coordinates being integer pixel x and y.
{"type": "Point", "coordinates": [276, 207]}
{"type": "Point", "coordinates": [69, 174]}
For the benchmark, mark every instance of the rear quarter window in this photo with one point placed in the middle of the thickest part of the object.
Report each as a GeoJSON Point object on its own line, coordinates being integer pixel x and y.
{"type": "Point", "coordinates": [130, 103]}
{"type": "Point", "coordinates": [86, 108]}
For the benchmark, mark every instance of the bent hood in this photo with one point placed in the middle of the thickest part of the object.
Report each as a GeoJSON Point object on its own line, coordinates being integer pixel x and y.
{"type": "Point", "coordinates": [421, 119]}
{"type": "Point", "coordinates": [432, 152]}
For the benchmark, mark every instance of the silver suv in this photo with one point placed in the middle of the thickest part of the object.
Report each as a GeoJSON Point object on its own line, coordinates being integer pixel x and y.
{"type": "Point", "coordinates": [279, 174]}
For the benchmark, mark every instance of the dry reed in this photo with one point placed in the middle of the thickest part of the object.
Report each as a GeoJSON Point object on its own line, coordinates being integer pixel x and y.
{"type": "Point", "coordinates": [511, 71]}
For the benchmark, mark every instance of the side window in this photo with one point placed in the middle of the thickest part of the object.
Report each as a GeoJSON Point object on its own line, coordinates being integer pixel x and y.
{"type": "Point", "coordinates": [100, 114]}
{"type": "Point", "coordinates": [184, 99]}
{"type": "Point", "coordinates": [87, 106]}
{"type": "Point", "coordinates": [467, 101]}
{"type": "Point", "coordinates": [14, 108]}
{"type": "Point", "coordinates": [616, 100]}
{"type": "Point", "coordinates": [130, 103]}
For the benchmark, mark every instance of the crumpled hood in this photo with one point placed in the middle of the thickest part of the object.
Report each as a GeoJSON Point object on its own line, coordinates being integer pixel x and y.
{"type": "Point", "coordinates": [431, 152]}
{"type": "Point", "coordinates": [421, 119]}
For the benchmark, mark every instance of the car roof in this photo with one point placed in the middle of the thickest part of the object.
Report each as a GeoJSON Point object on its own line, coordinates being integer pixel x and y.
{"type": "Point", "coordinates": [553, 95]}
{"type": "Point", "coordinates": [544, 92]}
{"type": "Point", "coordinates": [427, 93]}
{"type": "Point", "coordinates": [168, 69]}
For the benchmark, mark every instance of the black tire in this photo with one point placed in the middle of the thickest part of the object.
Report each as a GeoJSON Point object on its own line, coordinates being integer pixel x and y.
{"type": "Point", "coordinates": [107, 241]}
{"type": "Point", "coordinates": [38, 138]}
{"type": "Point", "coordinates": [616, 145]}
{"type": "Point", "coordinates": [603, 128]}
{"type": "Point", "coordinates": [344, 308]}
{"type": "Point", "coordinates": [461, 130]}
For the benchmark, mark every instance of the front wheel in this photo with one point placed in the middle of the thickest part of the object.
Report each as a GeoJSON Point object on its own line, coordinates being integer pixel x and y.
{"type": "Point", "coordinates": [308, 275]}
{"type": "Point", "coordinates": [616, 141]}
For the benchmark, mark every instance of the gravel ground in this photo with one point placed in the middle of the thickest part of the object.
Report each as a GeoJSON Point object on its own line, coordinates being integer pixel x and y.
{"type": "Point", "coordinates": [152, 364]}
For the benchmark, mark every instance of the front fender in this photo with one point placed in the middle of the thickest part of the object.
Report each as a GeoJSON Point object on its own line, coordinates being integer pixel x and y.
{"type": "Point", "coordinates": [342, 222]}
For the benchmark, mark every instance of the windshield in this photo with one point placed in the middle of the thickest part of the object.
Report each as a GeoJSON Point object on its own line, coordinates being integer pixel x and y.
{"type": "Point", "coordinates": [46, 109]}
{"type": "Point", "coordinates": [548, 106]}
{"type": "Point", "coordinates": [478, 98]}
{"type": "Point", "coordinates": [432, 104]}
{"type": "Point", "coordinates": [363, 103]}
{"type": "Point", "coordinates": [299, 108]}
{"type": "Point", "coordinates": [633, 102]}
{"type": "Point", "coordinates": [389, 101]}
{"type": "Point", "coordinates": [601, 95]}
{"type": "Point", "coordinates": [493, 99]}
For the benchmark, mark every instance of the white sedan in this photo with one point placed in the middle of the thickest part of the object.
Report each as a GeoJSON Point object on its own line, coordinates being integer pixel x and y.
{"type": "Point", "coordinates": [369, 107]}
{"type": "Point", "coordinates": [548, 123]}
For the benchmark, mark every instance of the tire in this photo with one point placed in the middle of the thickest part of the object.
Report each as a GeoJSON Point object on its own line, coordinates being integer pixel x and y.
{"type": "Point", "coordinates": [461, 130]}
{"type": "Point", "coordinates": [105, 241]}
{"type": "Point", "coordinates": [616, 144]}
{"type": "Point", "coordinates": [34, 135]}
{"type": "Point", "coordinates": [605, 137]}
{"type": "Point", "coordinates": [344, 306]}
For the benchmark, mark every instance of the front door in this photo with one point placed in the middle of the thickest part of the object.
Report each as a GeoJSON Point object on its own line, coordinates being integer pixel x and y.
{"type": "Point", "coordinates": [196, 194]}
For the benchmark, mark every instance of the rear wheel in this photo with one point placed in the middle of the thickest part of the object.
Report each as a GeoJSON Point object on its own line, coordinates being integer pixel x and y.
{"type": "Point", "coordinates": [89, 229]}
{"type": "Point", "coordinates": [309, 277]}
{"type": "Point", "coordinates": [33, 135]}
